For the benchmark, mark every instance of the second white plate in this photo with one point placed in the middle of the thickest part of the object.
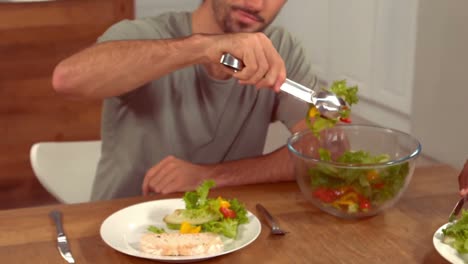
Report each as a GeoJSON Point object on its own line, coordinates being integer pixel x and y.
{"type": "Point", "coordinates": [446, 251]}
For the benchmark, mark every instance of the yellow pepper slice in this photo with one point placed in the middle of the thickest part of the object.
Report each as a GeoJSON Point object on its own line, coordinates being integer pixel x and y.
{"type": "Point", "coordinates": [348, 199]}
{"type": "Point", "coordinates": [351, 196]}
{"type": "Point", "coordinates": [187, 228]}
{"type": "Point", "coordinates": [223, 203]}
{"type": "Point", "coordinates": [313, 111]}
{"type": "Point", "coordinates": [343, 202]}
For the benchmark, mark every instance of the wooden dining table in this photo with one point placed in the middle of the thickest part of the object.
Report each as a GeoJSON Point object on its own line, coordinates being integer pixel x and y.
{"type": "Point", "coordinates": [400, 234]}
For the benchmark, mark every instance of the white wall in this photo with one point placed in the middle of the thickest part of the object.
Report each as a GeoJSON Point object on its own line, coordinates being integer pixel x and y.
{"type": "Point", "coordinates": [145, 8]}
{"type": "Point", "coordinates": [440, 106]}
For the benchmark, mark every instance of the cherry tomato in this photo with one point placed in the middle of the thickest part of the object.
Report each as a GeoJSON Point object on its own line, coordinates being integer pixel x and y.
{"type": "Point", "coordinates": [227, 213]}
{"type": "Point", "coordinates": [325, 195]}
{"type": "Point", "coordinates": [345, 120]}
{"type": "Point", "coordinates": [379, 185]}
{"type": "Point", "coordinates": [364, 204]}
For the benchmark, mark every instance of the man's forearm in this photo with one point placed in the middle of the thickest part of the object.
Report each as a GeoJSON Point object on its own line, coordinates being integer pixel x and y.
{"type": "Point", "coordinates": [116, 67]}
{"type": "Point", "coordinates": [274, 167]}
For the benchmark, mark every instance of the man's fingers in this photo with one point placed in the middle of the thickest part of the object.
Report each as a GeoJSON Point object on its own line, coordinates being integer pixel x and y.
{"type": "Point", "coordinates": [278, 84]}
{"type": "Point", "coordinates": [250, 67]}
{"type": "Point", "coordinates": [148, 177]}
{"type": "Point", "coordinates": [277, 74]}
{"type": "Point", "coordinates": [263, 66]}
{"type": "Point", "coordinates": [281, 77]}
{"type": "Point", "coordinates": [274, 78]}
{"type": "Point", "coordinates": [164, 179]}
{"type": "Point", "coordinates": [151, 173]}
{"type": "Point", "coordinates": [269, 79]}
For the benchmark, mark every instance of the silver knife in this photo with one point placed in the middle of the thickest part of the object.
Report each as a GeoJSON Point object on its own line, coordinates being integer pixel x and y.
{"type": "Point", "coordinates": [62, 243]}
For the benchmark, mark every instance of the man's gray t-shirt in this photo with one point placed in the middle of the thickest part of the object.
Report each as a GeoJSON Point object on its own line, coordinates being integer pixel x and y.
{"type": "Point", "coordinates": [188, 114]}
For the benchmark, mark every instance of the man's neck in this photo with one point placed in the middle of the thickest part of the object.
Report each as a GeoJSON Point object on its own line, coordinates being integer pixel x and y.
{"type": "Point", "coordinates": [204, 22]}
{"type": "Point", "coordinates": [215, 72]}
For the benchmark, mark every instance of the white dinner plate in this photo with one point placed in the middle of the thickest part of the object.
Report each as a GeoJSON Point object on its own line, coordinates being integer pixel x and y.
{"type": "Point", "coordinates": [446, 251]}
{"type": "Point", "coordinates": [122, 230]}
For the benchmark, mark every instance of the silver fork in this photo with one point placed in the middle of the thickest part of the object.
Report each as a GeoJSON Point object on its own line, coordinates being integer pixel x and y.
{"type": "Point", "coordinates": [275, 229]}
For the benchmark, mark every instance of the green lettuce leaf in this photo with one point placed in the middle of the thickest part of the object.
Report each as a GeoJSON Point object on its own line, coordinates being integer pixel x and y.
{"type": "Point", "coordinates": [241, 212]}
{"type": "Point", "coordinates": [349, 94]}
{"type": "Point", "coordinates": [226, 227]}
{"type": "Point", "coordinates": [199, 205]}
{"type": "Point", "coordinates": [198, 198]}
{"type": "Point", "coordinates": [320, 124]}
{"type": "Point", "coordinates": [391, 179]}
{"type": "Point", "coordinates": [362, 157]}
{"type": "Point", "coordinates": [156, 229]}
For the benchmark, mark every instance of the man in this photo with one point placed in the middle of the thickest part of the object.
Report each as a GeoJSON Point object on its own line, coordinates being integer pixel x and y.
{"type": "Point", "coordinates": [172, 115]}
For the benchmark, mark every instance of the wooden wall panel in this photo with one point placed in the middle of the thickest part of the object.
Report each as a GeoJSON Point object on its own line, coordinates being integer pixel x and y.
{"type": "Point", "coordinates": [34, 37]}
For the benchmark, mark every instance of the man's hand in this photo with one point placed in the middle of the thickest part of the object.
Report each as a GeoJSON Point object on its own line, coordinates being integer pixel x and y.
{"type": "Point", "coordinates": [174, 175]}
{"type": "Point", "coordinates": [463, 180]}
{"type": "Point", "coordinates": [263, 66]}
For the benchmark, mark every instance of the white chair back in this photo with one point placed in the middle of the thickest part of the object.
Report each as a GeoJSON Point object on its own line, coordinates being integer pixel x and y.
{"type": "Point", "coordinates": [66, 169]}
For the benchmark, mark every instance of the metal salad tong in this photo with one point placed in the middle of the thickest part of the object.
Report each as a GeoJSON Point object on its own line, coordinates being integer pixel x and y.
{"type": "Point", "coordinates": [328, 104]}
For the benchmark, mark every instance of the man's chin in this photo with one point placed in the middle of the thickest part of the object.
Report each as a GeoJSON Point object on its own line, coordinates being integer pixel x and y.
{"type": "Point", "coordinates": [246, 29]}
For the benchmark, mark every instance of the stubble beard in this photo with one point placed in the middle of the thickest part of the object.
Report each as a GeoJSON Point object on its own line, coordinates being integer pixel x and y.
{"type": "Point", "coordinates": [224, 19]}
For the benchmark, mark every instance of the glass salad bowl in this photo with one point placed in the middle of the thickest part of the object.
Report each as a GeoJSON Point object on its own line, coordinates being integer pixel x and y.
{"type": "Point", "coordinates": [353, 171]}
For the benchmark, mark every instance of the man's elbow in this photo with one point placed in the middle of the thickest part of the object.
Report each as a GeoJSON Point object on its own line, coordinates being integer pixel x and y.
{"type": "Point", "coordinates": [63, 83]}
{"type": "Point", "coordinates": [60, 79]}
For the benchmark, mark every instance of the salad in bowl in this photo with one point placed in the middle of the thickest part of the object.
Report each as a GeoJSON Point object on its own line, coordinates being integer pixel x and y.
{"type": "Point", "coordinates": [351, 170]}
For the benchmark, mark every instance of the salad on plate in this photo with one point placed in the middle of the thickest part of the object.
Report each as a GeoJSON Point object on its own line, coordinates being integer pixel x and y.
{"type": "Point", "coordinates": [456, 234]}
{"type": "Point", "coordinates": [198, 229]}
{"type": "Point", "coordinates": [203, 214]}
